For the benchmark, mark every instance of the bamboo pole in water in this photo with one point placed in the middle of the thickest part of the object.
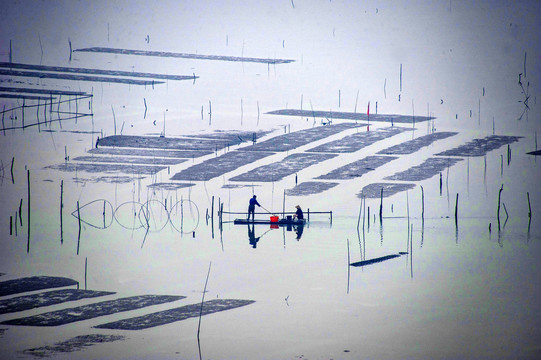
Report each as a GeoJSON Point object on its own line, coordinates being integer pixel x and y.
{"type": "Point", "coordinates": [61, 207]}
{"type": "Point", "coordinates": [499, 199]}
{"type": "Point", "coordinates": [456, 211]}
{"type": "Point", "coordinates": [423, 203]}
{"type": "Point", "coordinates": [28, 223]}
{"type": "Point", "coordinates": [86, 263]}
{"type": "Point", "coordinates": [529, 206]}
{"type": "Point", "coordinates": [202, 301]}
{"type": "Point", "coordinates": [381, 207]}
{"type": "Point", "coordinates": [12, 163]}
{"type": "Point", "coordinates": [79, 234]}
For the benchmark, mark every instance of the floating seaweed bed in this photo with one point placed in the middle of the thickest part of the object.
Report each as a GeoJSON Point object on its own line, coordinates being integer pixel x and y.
{"type": "Point", "coordinates": [177, 314]}
{"type": "Point", "coordinates": [155, 142]}
{"type": "Point", "coordinates": [74, 344]}
{"type": "Point", "coordinates": [109, 179]}
{"type": "Point", "coordinates": [220, 165]}
{"type": "Point", "coordinates": [373, 191]}
{"type": "Point", "coordinates": [414, 145]}
{"type": "Point", "coordinates": [182, 55]}
{"type": "Point", "coordinates": [351, 116]}
{"type": "Point", "coordinates": [26, 302]}
{"type": "Point", "coordinates": [42, 91]}
{"type": "Point", "coordinates": [186, 154]}
{"type": "Point", "coordinates": [355, 142]}
{"type": "Point", "coordinates": [27, 97]}
{"type": "Point", "coordinates": [48, 75]}
{"type": "Point", "coordinates": [95, 71]}
{"type": "Point", "coordinates": [232, 136]}
{"type": "Point", "coordinates": [170, 186]}
{"type": "Point", "coordinates": [278, 170]}
{"type": "Point", "coordinates": [66, 316]}
{"type": "Point", "coordinates": [130, 160]}
{"type": "Point", "coordinates": [33, 283]}
{"type": "Point", "coordinates": [237, 186]}
{"type": "Point", "coordinates": [479, 147]}
{"type": "Point", "coordinates": [71, 131]}
{"type": "Point", "coordinates": [376, 260]}
{"type": "Point", "coordinates": [108, 168]}
{"type": "Point", "coordinates": [426, 170]}
{"type": "Point", "coordinates": [357, 168]}
{"type": "Point", "coordinates": [310, 188]}
{"type": "Point", "coordinates": [299, 138]}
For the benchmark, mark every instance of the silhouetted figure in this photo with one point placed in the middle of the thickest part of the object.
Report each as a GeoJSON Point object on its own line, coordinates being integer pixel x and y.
{"type": "Point", "coordinates": [251, 207]}
{"type": "Point", "coordinates": [298, 214]}
{"type": "Point", "coordinates": [251, 236]}
{"type": "Point", "coordinates": [97, 142]}
{"type": "Point", "coordinates": [298, 230]}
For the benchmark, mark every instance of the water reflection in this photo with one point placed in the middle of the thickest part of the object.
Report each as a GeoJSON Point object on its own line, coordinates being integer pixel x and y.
{"type": "Point", "coordinates": [253, 240]}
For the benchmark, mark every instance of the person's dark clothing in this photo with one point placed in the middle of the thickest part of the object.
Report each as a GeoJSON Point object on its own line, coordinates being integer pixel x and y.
{"type": "Point", "coordinates": [251, 208]}
{"type": "Point", "coordinates": [299, 214]}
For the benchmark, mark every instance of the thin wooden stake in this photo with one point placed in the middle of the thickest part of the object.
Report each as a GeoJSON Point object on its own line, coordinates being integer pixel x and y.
{"type": "Point", "coordinates": [381, 207]}
{"type": "Point", "coordinates": [114, 118]}
{"type": "Point", "coordinates": [423, 202]}
{"type": "Point", "coordinates": [86, 263]}
{"type": "Point", "coordinates": [28, 224]}
{"type": "Point", "coordinates": [20, 212]}
{"type": "Point", "coordinates": [456, 211]}
{"type": "Point", "coordinates": [529, 206]}
{"type": "Point", "coordinates": [79, 235]}
{"type": "Point", "coordinates": [61, 207]}
{"type": "Point", "coordinates": [349, 267]}
{"type": "Point", "coordinates": [12, 163]}
{"type": "Point", "coordinates": [499, 199]}
{"type": "Point", "coordinates": [202, 301]}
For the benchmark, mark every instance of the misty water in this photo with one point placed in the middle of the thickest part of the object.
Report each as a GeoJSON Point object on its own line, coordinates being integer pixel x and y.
{"type": "Point", "coordinates": [439, 287]}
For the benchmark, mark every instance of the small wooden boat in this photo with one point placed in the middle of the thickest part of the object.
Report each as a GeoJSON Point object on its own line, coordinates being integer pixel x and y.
{"type": "Point", "coordinates": [269, 222]}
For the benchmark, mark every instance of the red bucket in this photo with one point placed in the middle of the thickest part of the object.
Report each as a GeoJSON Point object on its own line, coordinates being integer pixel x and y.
{"type": "Point", "coordinates": [274, 219]}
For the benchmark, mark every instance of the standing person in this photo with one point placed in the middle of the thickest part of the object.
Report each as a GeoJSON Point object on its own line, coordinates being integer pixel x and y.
{"type": "Point", "coordinates": [298, 214]}
{"type": "Point", "coordinates": [251, 207]}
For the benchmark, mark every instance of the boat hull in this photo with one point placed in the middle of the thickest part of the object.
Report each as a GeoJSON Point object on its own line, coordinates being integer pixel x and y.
{"type": "Point", "coordinates": [268, 222]}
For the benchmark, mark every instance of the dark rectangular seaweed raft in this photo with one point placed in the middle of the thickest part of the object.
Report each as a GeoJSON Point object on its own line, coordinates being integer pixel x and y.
{"type": "Point", "coordinates": [357, 168]}
{"type": "Point", "coordinates": [220, 165]}
{"type": "Point", "coordinates": [74, 344]}
{"type": "Point", "coordinates": [351, 116]}
{"type": "Point", "coordinates": [109, 168]}
{"type": "Point", "coordinates": [170, 143]}
{"type": "Point", "coordinates": [130, 160]}
{"type": "Point", "coordinates": [66, 316]}
{"type": "Point", "coordinates": [288, 166]}
{"type": "Point", "coordinates": [355, 142]}
{"type": "Point", "coordinates": [376, 260]}
{"type": "Point", "coordinates": [177, 314]}
{"type": "Point", "coordinates": [181, 154]}
{"type": "Point", "coordinates": [21, 303]}
{"type": "Point", "coordinates": [310, 187]}
{"type": "Point", "coordinates": [411, 146]}
{"type": "Point", "coordinates": [426, 170]}
{"type": "Point", "coordinates": [230, 161]}
{"type": "Point", "coordinates": [182, 55]}
{"type": "Point", "coordinates": [33, 283]}
{"type": "Point", "coordinates": [299, 138]}
{"type": "Point", "coordinates": [479, 147]}
{"type": "Point", "coordinates": [374, 190]}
